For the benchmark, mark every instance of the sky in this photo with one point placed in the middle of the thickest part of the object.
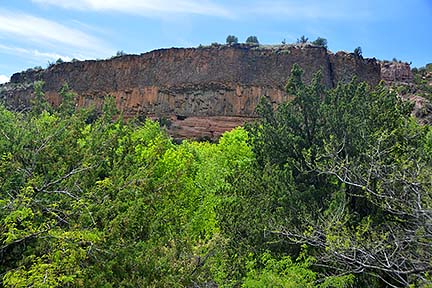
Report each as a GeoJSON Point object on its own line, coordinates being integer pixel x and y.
{"type": "Point", "coordinates": [38, 32]}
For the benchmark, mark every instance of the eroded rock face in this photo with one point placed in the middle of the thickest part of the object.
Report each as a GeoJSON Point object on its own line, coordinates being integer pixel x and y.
{"type": "Point", "coordinates": [396, 72]}
{"type": "Point", "coordinates": [422, 109]}
{"type": "Point", "coordinates": [203, 91]}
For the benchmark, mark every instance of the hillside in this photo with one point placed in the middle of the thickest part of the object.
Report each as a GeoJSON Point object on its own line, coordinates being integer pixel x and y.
{"type": "Point", "coordinates": [200, 92]}
{"type": "Point", "coordinates": [413, 85]}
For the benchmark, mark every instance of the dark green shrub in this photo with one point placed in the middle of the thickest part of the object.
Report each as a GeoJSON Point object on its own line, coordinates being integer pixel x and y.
{"type": "Point", "coordinates": [231, 39]}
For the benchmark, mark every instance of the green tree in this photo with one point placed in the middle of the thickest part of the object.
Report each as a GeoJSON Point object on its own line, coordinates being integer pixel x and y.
{"type": "Point", "coordinates": [68, 102]}
{"type": "Point", "coordinates": [38, 102]}
{"type": "Point", "coordinates": [358, 52]}
{"type": "Point", "coordinates": [333, 182]}
{"type": "Point", "coordinates": [231, 39]}
{"type": "Point", "coordinates": [252, 40]}
{"type": "Point", "coordinates": [120, 53]}
{"type": "Point", "coordinates": [302, 40]}
{"type": "Point", "coordinates": [40, 200]}
{"type": "Point", "coordinates": [320, 42]}
{"type": "Point", "coordinates": [350, 154]}
{"type": "Point", "coordinates": [287, 273]}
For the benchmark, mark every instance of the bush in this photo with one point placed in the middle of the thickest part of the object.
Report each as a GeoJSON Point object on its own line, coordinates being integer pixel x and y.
{"type": "Point", "coordinates": [231, 39]}
{"type": "Point", "coordinates": [320, 42]}
{"type": "Point", "coordinates": [302, 40]}
{"type": "Point", "coordinates": [252, 40]}
{"type": "Point", "coordinates": [120, 53]}
{"type": "Point", "coordinates": [358, 52]}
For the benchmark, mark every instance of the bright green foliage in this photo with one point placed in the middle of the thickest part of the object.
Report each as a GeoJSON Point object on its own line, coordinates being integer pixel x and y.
{"type": "Point", "coordinates": [67, 105]}
{"type": "Point", "coordinates": [282, 273]}
{"type": "Point", "coordinates": [288, 273]}
{"type": "Point", "coordinates": [40, 200]}
{"type": "Point", "coordinates": [59, 266]}
{"type": "Point", "coordinates": [39, 103]}
{"type": "Point", "coordinates": [90, 200]}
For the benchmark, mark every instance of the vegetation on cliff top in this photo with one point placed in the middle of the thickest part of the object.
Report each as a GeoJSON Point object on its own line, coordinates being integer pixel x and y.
{"type": "Point", "coordinates": [423, 81]}
{"type": "Point", "coordinates": [332, 189]}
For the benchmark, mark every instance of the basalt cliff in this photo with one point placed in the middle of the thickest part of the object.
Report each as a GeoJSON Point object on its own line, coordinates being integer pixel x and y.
{"type": "Point", "coordinates": [201, 92]}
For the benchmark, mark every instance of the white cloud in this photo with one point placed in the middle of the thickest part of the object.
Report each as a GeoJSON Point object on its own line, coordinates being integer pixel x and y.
{"type": "Point", "coordinates": [143, 7]}
{"type": "Point", "coordinates": [4, 79]}
{"type": "Point", "coordinates": [33, 53]}
{"type": "Point", "coordinates": [27, 28]}
{"type": "Point", "coordinates": [294, 9]}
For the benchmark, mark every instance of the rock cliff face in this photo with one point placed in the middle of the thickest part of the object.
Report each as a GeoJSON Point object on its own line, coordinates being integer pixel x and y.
{"type": "Point", "coordinates": [396, 72]}
{"type": "Point", "coordinates": [201, 91]}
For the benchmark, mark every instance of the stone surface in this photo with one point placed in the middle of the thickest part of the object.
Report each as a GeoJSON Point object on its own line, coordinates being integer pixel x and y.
{"type": "Point", "coordinates": [422, 109]}
{"type": "Point", "coordinates": [203, 91]}
{"type": "Point", "coordinates": [396, 72]}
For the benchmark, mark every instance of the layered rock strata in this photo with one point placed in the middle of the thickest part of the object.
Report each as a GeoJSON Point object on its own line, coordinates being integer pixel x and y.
{"type": "Point", "coordinates": [201, 91]}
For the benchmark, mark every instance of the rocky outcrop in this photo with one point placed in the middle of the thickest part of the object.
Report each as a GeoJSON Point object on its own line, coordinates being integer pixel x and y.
{"type": "Point", "coordinates": [415, 86]}
{"type": "Point", "coordinates": [396, 72]}
{"type": "Point", "coordinates": [346, 65]}
{"type": "Point", "coordinates": [422, 109]}
{"type": "Point", "coordinates": [202, 91]}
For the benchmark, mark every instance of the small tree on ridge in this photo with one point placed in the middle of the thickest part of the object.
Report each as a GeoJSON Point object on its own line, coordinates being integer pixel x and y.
{"type": "Point", "coordinates": [231, 39]}
{"type": "Point", "coordinates": [252, 40]}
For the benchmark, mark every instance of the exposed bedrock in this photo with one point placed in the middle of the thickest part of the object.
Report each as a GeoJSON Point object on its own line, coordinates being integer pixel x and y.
{"type": "Point", "coordinates": [203, 91]}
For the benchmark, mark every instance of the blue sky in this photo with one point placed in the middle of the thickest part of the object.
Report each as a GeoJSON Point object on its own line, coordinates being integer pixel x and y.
{"type": "Point", "coordinates": [36, 32]}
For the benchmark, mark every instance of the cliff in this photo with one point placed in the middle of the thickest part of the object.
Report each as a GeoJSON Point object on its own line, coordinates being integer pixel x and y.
{"type": "Point", "coordinates": [396, 72]}
{"type": "Point", "coordinates": [201, 91]}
